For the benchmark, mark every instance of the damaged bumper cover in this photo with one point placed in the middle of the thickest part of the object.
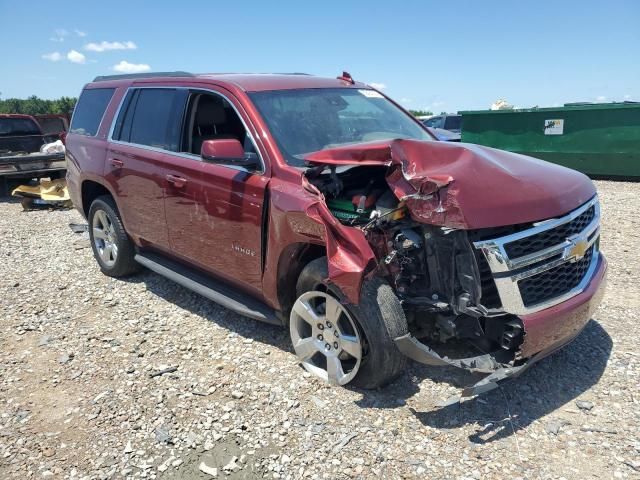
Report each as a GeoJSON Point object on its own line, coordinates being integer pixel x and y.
{"type": "Point", "coordinates": [546, 331]}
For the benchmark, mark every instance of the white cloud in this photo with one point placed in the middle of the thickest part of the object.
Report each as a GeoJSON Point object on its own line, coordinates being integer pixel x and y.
{"type": "Point", "coordinates": [601, 98]}
{"type": "Point", "coordinates": [59, 34]}
{"type": "Point", "coordinates": [405, 100]}
{"type": "Point", "coordinates": [627, 97]}
{"type": "Point", "coordinates": [76, 57]}
{"type": "Point", "coordinates": [126, 67]}
{"type": "Point", "coordinates": [80, 33]}
{"type": "Point", "coordinates": [52, 57]}
{"type": "Point", "coordinates": [378, 86]}
{"type": "Point", "coordinates": [106, 46]}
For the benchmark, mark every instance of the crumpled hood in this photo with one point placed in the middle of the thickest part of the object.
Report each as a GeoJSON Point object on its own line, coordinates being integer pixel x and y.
{"type": "Point", "coordinates": [468, 186]}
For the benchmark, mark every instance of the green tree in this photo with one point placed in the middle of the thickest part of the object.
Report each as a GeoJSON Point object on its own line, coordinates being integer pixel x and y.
{"type": "Point", "coordinates": [420, 113]}
{"type": "Point", "coordinates": [34, 105]}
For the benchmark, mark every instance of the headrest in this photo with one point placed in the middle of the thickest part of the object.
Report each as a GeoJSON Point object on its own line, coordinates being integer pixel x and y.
{"type": "Point", "coordinates": [210, 112]}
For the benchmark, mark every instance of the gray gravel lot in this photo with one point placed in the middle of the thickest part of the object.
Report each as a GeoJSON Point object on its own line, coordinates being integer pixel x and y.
{"type": "Point", "coordinates": [78, 399]}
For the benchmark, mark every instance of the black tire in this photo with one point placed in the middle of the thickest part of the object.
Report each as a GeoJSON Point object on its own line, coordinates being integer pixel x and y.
{"type": "Point", "coordinates": [124, 263]}
{"type": "Point", "coordinates": [380, 318]}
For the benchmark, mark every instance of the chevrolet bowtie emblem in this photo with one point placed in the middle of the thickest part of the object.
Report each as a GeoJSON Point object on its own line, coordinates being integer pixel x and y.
{"type": "Point", "coordinates": [578, 249]}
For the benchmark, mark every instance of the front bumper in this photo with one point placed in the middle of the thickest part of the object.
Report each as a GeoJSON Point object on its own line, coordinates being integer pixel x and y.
{"type": "Point", "coordinates": [546, 331]}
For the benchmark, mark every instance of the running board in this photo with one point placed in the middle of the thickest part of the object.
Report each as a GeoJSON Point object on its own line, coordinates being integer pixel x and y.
{"type": "Point", "coordinates": [208, 287]}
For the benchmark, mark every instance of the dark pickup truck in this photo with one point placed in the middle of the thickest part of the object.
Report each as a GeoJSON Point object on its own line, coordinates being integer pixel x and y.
{"type": "Point", "coordinates": [21, 138]}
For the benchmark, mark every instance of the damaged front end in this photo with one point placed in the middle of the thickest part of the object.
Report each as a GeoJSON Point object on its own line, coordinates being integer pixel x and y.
{"type": "Point", "coordinates": [488, 291]}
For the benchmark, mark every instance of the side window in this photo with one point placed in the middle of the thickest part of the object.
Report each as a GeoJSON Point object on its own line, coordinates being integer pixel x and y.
{"type": "Point", "coordinates": [90, 110]}
{"type": "Point", "coordinates": [212, 117]}
{"type": "Point", "coordinates": [454, 122]}
{"type": "Point", "coordinates": [122, 128]}
{"type": "Point", "coordinates": [151, 116]}
{"type": "Point", "coordinates": [435, 122]}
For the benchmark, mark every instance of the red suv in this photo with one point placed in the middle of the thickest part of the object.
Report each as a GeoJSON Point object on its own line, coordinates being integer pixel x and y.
{"type": "Point", "coordinates": [322, 205]}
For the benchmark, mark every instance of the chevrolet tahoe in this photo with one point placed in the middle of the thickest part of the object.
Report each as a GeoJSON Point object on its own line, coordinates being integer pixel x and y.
{"type": "Point", "coordinates": [321, 205]}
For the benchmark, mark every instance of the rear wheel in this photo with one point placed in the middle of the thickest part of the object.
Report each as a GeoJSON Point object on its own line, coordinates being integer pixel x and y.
{"type": "Point", "coordinates": [112, 247]}
{"type": "Point", "coordinates": [343, 343]}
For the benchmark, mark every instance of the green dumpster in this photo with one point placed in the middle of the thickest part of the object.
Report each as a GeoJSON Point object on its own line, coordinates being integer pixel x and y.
{"type": "Point", "coordinates": [597, 139]}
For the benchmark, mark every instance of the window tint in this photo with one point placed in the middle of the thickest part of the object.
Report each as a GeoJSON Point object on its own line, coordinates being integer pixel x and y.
{"type": "Point", "coordinates": [151, 117]}
{"type": "Point", "coordinates": [90, 110]}
{"type": "Point", "coordinates": [122, 128]}
{"type": "Point", "coordinates": [18, 126]}
{"type": "Point", "coordinates": [453, 122]}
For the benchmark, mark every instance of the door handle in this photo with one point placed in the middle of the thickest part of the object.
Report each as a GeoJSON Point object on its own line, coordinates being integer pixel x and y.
{"type": "Point", "coordinates": [176, 181]}
{"type": "Point", "coordinates": [116, 163]}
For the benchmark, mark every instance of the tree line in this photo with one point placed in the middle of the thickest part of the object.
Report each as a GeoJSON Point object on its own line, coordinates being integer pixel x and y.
{"type": "Point", "coordinates": [34, 105]}
{"type": "Point", "coordinates": [37, 106]}
{"type": "Point", "coordinates": [420, 113]}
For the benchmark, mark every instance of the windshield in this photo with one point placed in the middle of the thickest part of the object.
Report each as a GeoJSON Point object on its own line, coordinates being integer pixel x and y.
{"type": "Point", "coordinates": [308, 120]}
{"type": "Point", "coordinates": [18, 126]}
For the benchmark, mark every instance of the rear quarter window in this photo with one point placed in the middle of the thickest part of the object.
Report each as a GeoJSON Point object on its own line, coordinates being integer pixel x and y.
{"type": "Point", "coordinates": [90, 110]}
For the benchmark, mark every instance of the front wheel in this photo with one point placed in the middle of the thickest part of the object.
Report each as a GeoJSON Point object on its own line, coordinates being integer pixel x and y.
{"type": "Point", "coordinates": [343, 343]}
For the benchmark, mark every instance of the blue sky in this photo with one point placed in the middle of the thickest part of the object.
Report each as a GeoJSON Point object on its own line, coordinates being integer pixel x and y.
{"type": "Point", "coordinates": [442, 56]}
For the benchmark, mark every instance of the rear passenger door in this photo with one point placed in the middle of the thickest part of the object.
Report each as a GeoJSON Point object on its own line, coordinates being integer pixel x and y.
{"type": "Point", "coordinates": [146, 132]}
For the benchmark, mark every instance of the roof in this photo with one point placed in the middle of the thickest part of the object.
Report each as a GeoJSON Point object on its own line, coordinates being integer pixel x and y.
{"type": "Point", "coordinates": [250, 82]}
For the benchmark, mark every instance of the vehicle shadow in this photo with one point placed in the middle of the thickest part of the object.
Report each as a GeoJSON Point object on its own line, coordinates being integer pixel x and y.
{"type": "Point", "coordinates": [9, 199]}
{"type": "Point", "coordinates": [211, 311]}
{"type": "Point", "coordinates": [542, 389]}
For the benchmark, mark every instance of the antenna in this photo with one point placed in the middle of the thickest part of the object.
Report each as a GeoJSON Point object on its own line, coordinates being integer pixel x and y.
{"type": "Point", "coordinates": [346, 77]}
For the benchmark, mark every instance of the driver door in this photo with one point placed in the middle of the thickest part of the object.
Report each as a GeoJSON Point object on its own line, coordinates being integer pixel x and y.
{"type": "Point", "coordinates": [214, 212]}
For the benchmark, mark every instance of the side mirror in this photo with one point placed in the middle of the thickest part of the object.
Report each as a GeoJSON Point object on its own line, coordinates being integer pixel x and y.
{"type": "Point", "coordinates": [228, 151]}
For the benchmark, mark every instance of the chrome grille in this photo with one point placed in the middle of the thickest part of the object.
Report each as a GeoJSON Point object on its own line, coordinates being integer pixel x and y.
{"type": "Point", "coordinates": [537, 267]}
{"type": "Point", "coordinates": [549, 238]}
{"type": "Point", "coordinates": [554, 282]}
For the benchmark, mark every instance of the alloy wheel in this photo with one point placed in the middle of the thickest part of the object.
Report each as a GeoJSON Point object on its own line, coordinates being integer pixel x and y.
{"type": "Point", "coordinates": [105, 238]}
{"type": "Point", "coordinates": [325, 338]}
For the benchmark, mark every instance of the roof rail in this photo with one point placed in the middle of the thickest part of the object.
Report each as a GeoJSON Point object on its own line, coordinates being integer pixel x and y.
{"type": "Point", "coordinates": [106, 78]}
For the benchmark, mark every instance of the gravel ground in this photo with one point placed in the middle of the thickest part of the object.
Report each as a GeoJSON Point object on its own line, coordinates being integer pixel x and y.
{"type": "Point", "coordinates": [103, 378]}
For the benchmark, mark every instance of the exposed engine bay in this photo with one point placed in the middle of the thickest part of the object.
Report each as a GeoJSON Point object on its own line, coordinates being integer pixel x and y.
{"type": "Point", "coordinates": [435, 271]}
{"type": "Point", "coordinates": [495, 267]}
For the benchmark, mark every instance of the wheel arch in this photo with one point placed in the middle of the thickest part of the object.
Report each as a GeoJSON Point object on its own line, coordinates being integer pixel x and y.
{"type": "Point", "coordinates": [292, 260]}
{"type": "Point", "coordinates": [89, 191]}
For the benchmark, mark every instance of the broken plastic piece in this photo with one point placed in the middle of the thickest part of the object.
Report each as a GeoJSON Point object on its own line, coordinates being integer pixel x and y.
{"type": "Point", "coordinates": [48, 193]}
